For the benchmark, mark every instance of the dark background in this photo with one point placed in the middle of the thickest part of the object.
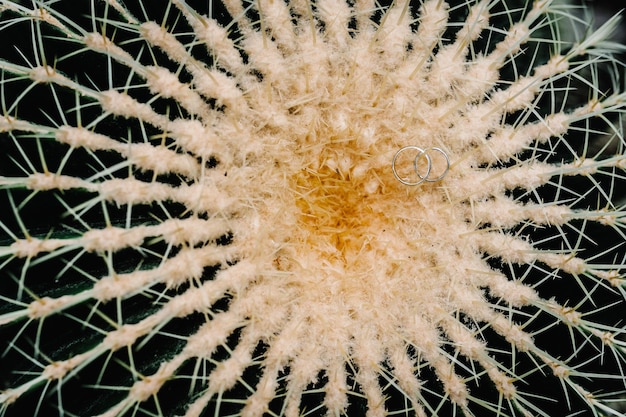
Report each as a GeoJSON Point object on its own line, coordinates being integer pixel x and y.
{"type": "Point", "coordinates": [605, 9]}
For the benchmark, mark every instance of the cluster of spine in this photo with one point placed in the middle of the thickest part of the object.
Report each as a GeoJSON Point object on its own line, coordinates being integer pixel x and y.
{"type": "Point", "coordinates": [198, 214]}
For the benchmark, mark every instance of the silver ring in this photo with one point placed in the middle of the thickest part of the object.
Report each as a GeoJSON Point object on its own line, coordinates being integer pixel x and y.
{"type": "Point", "coordinates": [420, 153]}
{"type": "Point", "coordinates": [439, 178]}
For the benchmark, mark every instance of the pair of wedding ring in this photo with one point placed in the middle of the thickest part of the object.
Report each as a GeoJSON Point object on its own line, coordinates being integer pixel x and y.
{"type": "Point", "coordinates": [422, 170]}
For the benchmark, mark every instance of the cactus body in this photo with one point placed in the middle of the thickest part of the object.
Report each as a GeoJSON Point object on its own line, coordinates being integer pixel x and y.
{"type": "Point", "coordinates": [198, 214]}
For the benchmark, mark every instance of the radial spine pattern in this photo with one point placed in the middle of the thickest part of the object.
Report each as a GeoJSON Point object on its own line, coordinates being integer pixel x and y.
{"type": "Point", "coordinates": [199, 214]}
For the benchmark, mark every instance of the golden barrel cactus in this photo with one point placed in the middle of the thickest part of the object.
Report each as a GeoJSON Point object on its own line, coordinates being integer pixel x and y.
{"type": "Point", "coordinates": [199, 215]}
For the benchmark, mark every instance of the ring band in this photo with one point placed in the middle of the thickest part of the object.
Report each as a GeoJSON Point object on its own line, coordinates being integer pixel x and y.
{"type": "Point", "coordinates": [439, 178]}
{"type": "Point", "coordinates": [419, 155]}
